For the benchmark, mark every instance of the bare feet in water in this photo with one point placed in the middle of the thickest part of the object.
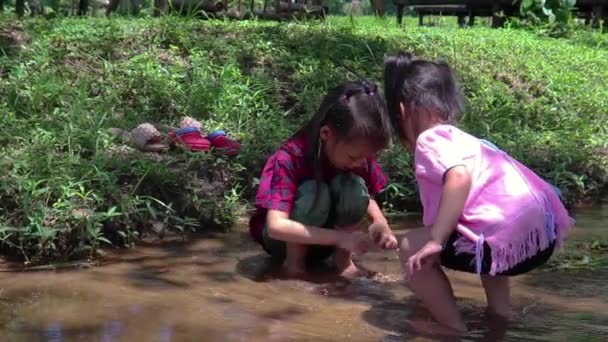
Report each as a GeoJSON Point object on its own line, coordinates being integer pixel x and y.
{"type": "Point", "coordinates": [350, 272]}
{"type": "Point", "coordinates": [431, 328]}
{"type": "Point", "coordinates": [353, 272]}
{"type": "Point", "coordinates": [295, 260]}
{"type": "Point", "coordinates": [295, 270]}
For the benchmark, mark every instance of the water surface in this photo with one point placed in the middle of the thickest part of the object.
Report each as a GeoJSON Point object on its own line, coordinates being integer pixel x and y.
{"type": "Point", "coordinates": [222, 288]}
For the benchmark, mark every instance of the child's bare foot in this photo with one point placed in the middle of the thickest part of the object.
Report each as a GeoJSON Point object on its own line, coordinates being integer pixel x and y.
{"type": "Point", "coordinates": [432, 328]}
{"type": "Point", "coordinates": [295, 261]}
{"type": "Point", "coordinates": [345, 265]}
{"type": "Point", "coordinates": [296, 271]}
{"type": "Point", "coordinates": [353, 272]}
{"type": "Point", "coordinates": [350, 272]}
{"type": "Point", "coordinates": [497, 326]}
{"type": "Point", "coordinates": [504, 314]}
{"type": "Point", "coordinates": [347, 268]}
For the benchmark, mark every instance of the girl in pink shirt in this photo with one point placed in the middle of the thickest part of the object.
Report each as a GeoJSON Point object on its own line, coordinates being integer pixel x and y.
{"type": "Point", "coordinates": [484, 212]}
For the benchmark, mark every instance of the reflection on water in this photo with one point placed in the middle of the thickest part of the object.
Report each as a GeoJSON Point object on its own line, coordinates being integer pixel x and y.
{"type": "Point", "coordinates": [592, 223]}
{"type": "Point", "coordinates": [223, 288]}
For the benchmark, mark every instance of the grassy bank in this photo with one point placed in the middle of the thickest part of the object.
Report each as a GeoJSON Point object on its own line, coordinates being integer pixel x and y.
{"type": "Point", "coordinates": [69, 186]}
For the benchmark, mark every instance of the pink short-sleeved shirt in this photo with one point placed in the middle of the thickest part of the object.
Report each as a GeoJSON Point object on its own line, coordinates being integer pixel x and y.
{"type": "Point", "coordinates": [286, 169]}
{"type": "Point", "coordinates": [511, 206]}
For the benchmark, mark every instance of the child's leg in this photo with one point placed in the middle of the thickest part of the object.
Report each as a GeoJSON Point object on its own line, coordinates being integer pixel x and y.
{"type": "Point", "coordinates": [306, 211]}
{"type": "Point", "coordinates": [430, 283]}
{"type": "Point", "coordinates": [295, 259]}
{"type": "Point", "coordinates": [343, 258]}
{"type": "Point", "coordinates": [497, 287]}
{"type": "Point", "coordinates": [350, 201]}
{"type": "Point", "coordinates": [497, 294]}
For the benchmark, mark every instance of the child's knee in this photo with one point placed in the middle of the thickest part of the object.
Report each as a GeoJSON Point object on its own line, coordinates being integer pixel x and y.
{"type": "Point", "coordinates": [351, 199]}
{"type": "Point", "coordinates": [312, 204]}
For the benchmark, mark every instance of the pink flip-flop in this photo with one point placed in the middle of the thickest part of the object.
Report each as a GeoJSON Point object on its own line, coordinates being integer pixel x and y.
{"type": "Point", "coordinates": [219, 140]}
{"type": "Point", "coordinates": [190, 137]}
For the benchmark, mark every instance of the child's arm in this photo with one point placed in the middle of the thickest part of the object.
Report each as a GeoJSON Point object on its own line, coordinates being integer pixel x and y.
{"type": "Point", "coordinates": [280, 227]}
{"type": "Point", "coordinates": [375, 213]}
{"type": "Point", "coordinates": [379, 229]}
{"type": "Point", "coordinates": [456, 188]}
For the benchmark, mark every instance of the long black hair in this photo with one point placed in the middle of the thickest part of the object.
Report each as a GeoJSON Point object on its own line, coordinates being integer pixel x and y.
{"type": "Point", "coordinates": [355, 111]}
{"type": "Point", "coordinates": [420, 84]}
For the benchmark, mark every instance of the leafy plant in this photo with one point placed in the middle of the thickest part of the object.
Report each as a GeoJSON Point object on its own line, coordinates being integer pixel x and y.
{"type": "Point", "coordinates": [552, 11]}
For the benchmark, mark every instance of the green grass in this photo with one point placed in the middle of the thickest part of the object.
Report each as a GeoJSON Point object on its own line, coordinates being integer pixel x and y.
{"type": "Point", "coordinates": [69, 187]}
{"type": "Point", "coordinates": [589, 255]}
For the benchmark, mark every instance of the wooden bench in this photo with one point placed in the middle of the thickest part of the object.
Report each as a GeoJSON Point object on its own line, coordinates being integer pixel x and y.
{"type": "Point", "coordinates": [459, 11]}
{"type": "Point", "coordinates": [286, 10]}
{"type": "Point", "coordinates": [473, 8]}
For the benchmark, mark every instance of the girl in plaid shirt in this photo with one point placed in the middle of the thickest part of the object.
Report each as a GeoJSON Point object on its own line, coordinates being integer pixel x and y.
{"type": "Point", "coordinates": [320, 184]}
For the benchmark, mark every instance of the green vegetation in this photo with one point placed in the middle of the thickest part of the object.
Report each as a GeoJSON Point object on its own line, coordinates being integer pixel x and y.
{"type": "Point", "coordinates": [589, 255]}
{"type": "Point", "coordinates": [68, 186]}
{"type": "Point", "coordinates": [551, 10]}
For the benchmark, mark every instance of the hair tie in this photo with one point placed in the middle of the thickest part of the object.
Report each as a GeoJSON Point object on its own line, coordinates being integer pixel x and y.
{"type": "Point", "coordinates": [368, 87]}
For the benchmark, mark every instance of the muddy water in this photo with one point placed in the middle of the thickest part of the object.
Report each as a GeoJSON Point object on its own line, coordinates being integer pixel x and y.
{"type": "Point", "coordinates": [222, 288]}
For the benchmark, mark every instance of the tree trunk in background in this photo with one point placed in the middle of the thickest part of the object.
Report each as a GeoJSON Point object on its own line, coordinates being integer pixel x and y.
{"type": "Point", "coordinates": [83, 7]}
{"type": "Point", "coordinates": [94, 8]}
{"type": "Point", "coordinates": [399, 15]}
{"type": "Point", "coordinates": [36, 7]}
{"type": "Point", "coordinates": [378, 7]}
{"type": "Point", "coordinates": [112, 6]}
{"type": "Point", "coordinates": [1, 5]}
{"type": "Point", "coordinates": [597, 15]}
{"type": "Point", "coordinates": [160, 7]}
{"type": "Point", "coordinates": [55, 5]}
{"type": "Point", "coordinates": [20, 7]}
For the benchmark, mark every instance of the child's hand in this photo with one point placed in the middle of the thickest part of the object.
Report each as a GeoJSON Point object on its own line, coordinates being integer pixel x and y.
{"type": "Point", "coordinates": [382, 236]}
{"type": "Point", "coordinates": [429, 251]}
{"type": "Point", "coordinates": [356, 242]}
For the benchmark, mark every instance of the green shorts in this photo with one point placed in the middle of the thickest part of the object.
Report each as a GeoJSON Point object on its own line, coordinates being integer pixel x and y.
{"type": "Point", "coordinates": [343, 203]}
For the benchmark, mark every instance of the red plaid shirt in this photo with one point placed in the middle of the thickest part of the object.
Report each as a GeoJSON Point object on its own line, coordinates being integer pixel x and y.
{"type": "Point", "coordinates": [286, 169]}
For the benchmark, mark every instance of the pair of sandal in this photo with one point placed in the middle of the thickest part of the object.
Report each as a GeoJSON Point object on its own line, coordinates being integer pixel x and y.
{"type": "Point", "coordinates": [190, 135]}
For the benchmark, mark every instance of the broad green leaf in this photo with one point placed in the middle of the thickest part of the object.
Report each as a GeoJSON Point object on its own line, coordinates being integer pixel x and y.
{"type": "Point", "coordinates": [526, 4]}
{"type": "Point", "coordinates": [103, 239]}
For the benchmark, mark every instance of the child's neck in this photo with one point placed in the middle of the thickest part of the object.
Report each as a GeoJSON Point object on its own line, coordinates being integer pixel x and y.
{"type": "Point", "coordinates": [426, 125]}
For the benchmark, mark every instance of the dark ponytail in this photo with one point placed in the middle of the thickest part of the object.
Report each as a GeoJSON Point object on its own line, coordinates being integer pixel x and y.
{"type": "Point", "coordinates": [420, 85]}
{"type": "Point", "coordinates": [395, 68]}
